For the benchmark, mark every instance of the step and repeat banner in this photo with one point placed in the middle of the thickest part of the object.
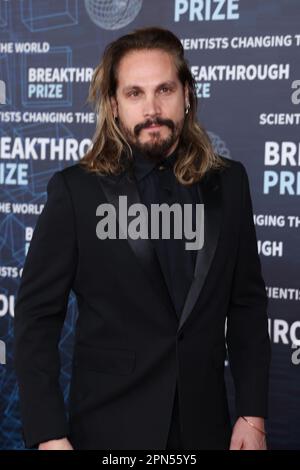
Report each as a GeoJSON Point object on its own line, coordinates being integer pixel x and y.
{"type": "Point", "coordinates": [244, 55]}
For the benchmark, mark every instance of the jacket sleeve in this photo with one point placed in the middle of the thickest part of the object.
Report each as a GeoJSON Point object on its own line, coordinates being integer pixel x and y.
{"type": "Point", "coordinates": [247, 336]}
{"type": "Point", "coordinates": [40, 310]}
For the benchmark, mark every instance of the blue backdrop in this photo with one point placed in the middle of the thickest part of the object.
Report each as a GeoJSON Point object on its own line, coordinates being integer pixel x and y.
{"type": "Point", "coordinates": [245, 57]}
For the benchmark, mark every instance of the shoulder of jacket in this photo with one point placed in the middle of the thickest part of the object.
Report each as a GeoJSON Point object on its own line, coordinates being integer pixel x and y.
{"type": "Point", "coordinates": [75, 174]}
{"type": "Point", "coordinates": [233, 168]}
{"type": "Point", "coordinates": [71, 170]}
{"type": "Point", "coordinates": [230, 162]}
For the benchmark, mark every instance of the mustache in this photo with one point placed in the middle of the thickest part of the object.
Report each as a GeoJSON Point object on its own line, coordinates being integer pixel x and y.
{"type": "Point", "coordinates": [158, 121]}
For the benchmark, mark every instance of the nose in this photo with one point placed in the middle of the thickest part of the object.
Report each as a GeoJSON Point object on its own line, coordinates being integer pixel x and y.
{"type": "Point", "coordinates": [151, 107]}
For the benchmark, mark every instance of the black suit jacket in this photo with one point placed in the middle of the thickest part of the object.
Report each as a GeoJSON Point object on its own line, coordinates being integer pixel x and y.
{"type": "Point", "coordinates": [130, 345]}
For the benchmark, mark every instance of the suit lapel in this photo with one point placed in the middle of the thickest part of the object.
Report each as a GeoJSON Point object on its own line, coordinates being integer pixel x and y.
{"type": "Point", "coordinates": [125, 185]}
{"type": "Point", "coordinates": [209, 191]}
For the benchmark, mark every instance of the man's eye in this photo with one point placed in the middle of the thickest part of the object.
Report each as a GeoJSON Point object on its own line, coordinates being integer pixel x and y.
{"type": "Point", "coordinates": [134, 93]}
{"type": "Point", "coordinates": [165, 89]}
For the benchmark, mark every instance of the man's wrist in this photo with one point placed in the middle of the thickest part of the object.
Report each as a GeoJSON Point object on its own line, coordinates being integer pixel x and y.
{"type": "Point", "coordinates": [255, 422]}
{"type": "Point", "coordinates": [53, 442]}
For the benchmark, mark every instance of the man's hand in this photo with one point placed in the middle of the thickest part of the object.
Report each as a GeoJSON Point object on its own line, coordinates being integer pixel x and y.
{"type": "Point", "coordinates": [245, 437]}
{"type": "Point", "coordinates": [56, 444]}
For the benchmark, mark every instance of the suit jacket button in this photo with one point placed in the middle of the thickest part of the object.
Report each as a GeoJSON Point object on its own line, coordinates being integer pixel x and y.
{"type": "Point", "coordinates": [180, 336]}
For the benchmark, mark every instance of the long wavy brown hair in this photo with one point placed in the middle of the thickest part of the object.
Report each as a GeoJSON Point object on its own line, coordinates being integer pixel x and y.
{"type": "Point", "coordinates": [110, 152]}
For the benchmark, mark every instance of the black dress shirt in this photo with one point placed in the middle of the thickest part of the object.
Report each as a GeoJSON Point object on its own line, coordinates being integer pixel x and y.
{"type": "Point", "coordinates": [157, 184]}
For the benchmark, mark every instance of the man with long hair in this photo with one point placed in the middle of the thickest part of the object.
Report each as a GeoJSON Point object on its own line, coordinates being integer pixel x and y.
{"type": "Point", "coordinates": [156, 314]}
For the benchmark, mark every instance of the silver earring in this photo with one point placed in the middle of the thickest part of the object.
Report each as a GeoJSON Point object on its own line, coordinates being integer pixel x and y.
{"type": "Point", "coordinates": [187, 108]}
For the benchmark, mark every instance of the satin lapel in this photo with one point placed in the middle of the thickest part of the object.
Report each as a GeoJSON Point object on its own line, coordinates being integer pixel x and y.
{"type": "Point", "coordinates": [124, 185]}
{"type": "Point", "coordinates": [210, 195]}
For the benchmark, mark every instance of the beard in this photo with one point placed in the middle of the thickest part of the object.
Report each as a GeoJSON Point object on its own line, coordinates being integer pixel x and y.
{"type": "Point", "coordinates": [156, 148]}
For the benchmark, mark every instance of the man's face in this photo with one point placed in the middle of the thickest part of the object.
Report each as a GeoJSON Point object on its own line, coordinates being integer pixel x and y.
{"type": "Point", "coordinates": [149, 93]}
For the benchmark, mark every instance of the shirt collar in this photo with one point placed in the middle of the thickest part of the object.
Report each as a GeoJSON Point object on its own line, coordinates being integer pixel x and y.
{"type": "Point", "coordinates": [143, 166]}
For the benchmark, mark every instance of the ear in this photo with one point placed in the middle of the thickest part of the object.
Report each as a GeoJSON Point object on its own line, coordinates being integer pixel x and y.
{"type": "Point", "coordinates": [114, 106]}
